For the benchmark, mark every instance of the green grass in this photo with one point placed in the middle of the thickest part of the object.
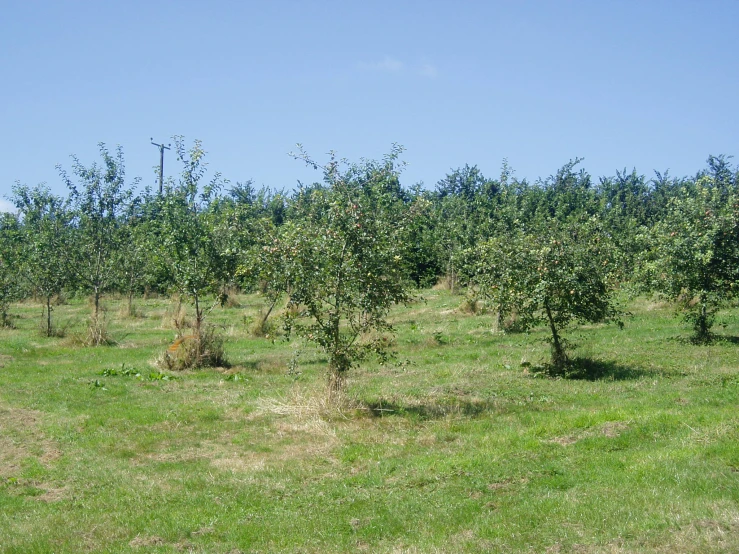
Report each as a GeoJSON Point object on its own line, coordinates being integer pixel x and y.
{"type": "Point", "coordinates": [456, 446]}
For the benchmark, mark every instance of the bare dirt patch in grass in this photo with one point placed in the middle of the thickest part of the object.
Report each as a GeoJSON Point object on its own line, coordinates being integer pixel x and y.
{"type": "Point", "coordinates": [139, 542]}
{"type": "Point", "coordinates": [507, 484]}
{"type": "Point", "coordinates": [11, 455]}
{"type": "Point", "coordinates": [128, 345]}
{"type": "Point", "coordinates": [439, 404]}
{"type": "Point", "coordinates": [705, 536]}
{"type": "Point", "coordinates": [52, 494]}
{"type": "Point", "coordinates": [297, 443]}
{"type": "Point", "coordinates": [565, 441]}
{"type": "Point", "coordinates": [610, 429]}
{"type": "Point", "coordinates": [613, 429]}
{"type": "Point", "coordinates": [272, 365]}
{"type": "Point", "coordinates": [287, 453]}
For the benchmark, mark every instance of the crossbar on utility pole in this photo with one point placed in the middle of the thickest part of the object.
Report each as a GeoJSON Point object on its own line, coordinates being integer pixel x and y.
{"type": "Point", "coordinates": [162, 148]}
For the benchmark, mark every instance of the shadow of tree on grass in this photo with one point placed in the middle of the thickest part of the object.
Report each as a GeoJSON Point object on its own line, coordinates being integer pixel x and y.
{"type": "Point", "coordinates": [592, 369]}
{"type": "Point", "coordinates": [712, 338]}
{"type": "Point", "coordinates": [431, 410]}
{"type": "Point", "coordinates": [726, 338]}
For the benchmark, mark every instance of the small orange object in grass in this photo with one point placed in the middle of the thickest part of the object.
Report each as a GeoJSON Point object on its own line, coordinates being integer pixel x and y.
{"type": "Point", "coordinates": [176, 344]}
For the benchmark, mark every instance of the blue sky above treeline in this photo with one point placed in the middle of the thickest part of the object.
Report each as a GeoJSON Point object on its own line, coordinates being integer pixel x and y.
{"type": "Point", "coordinates": [650, 85]}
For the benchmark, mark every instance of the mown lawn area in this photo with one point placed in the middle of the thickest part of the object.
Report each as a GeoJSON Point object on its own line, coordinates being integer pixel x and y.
{"type": "Point", "coordinates": [457, 445]}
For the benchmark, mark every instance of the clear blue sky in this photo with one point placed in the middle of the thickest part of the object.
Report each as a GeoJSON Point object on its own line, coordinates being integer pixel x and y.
{"type": "Point", "coordinates": [645, 84]}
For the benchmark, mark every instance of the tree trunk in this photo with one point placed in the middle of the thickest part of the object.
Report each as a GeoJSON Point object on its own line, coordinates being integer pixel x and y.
{"type": "Point", "coordinates": [702, 327]}
{"type": "Point", "coordinates": [338, 365]}
{"type": "Point", "coordinates": [559, 357]}
{"type": "Point", "coordinates": [450, 275]}
{"type": "Point", "coordinates": [264, 319]}
{"type": "Point", "coordinates": [198, 338]}
{"type": "Point", "coordinates": [335, 378]}
{"type": "Point", "coordinates": [97, 301]}
{"type": "Point", "coordinates": [48, 316]}
{"type": "Point", "coordinates": [198, 316]}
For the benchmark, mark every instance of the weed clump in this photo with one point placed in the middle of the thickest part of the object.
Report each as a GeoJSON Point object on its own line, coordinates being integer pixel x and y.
{"type": "Point", "coordinates": [260, 325]}
{"type": "Point", "coordinates": [195, 351]}
{"type": "Point", "coordinates": [175, 316]}
{"type": "Point", "coordinates": [130, 310]}
{"type": "Point", "coordinates": [472, 306]}
{"type": "Point", "coordinates": [229, 297]}
{"type": "Point", "coordinates": [96, 334]}
{"type": "Point", "coordinates": [48, 329]}
{"type": "Point", "coordinates": [511, 323]}
{"type": "Point", "coordinates": [448, 282]}
{"type": "Point", "coordinates": [5, 321]}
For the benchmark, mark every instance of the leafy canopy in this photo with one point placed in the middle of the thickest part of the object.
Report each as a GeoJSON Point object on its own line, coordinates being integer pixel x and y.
{"type": "Point", "coordinates": [694, 259]}
{"type": "Point", "coordinates": [554, 274]}
{"type": "Point", "coordinates": [343, 262]}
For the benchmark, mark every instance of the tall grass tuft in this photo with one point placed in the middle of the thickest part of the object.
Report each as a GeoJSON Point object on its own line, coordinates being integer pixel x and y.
{"type": "Point", "coordinates": [97, 332]}
{"type": "Point", "coordinates": [193, 351]}
{"type": "Point", "coordinates": [175, 316]}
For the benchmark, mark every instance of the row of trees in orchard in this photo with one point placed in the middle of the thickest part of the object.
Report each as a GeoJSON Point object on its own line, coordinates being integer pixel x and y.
{"type": "Point", "coordinates": [337, 254]}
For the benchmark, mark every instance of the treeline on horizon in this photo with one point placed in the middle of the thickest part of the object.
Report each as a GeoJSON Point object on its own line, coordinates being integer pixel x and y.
{"type": "Point", "coordinates": [204, 236]}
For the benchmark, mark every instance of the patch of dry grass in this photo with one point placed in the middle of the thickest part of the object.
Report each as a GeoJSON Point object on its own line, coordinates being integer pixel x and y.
{"type": "Point", "coordinates": [21, 438]}
{"type": "Point", "coordinates": [609, 429]}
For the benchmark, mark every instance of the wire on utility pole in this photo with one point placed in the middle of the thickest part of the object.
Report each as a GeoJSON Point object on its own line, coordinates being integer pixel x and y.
{"type": "Point", "coordinates": [162, 148]}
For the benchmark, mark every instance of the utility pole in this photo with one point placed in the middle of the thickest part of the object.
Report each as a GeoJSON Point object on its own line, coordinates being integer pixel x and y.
{"type": "Point", "coordinates": [162, 148]}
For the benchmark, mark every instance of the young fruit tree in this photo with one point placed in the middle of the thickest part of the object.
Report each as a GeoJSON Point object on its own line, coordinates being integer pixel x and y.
{"type": "Point", "coordinates": [189, 255]}
{"type": "Point", "coordinates": [695, 256]}
{"type": "Point", "coordinates": [135, 256]}
{"type": "Point", "coordinates": [43, 260]}
{"type": "Point", "coordinates": [99, 198]}
{"type": "Point", "coordinates": [262, 266]}
{"type": "Point", "coordinates": [342, 263]}
{"type": "Point", "coordinates": [552, 274]}
{"type": "Point", "coordinates": [10, 256]}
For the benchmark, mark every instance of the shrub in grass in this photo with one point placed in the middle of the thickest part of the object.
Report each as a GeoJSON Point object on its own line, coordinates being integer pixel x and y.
{"type": "Point", "coordinates": [228, 297]}
{"type": "Point", "coordinates": [175, 316]}
{"type": "Point", "coordinates": [130, 310]}
{"type": "Point", "coordinates": [49, 328]}
{"type": "Point", "coordinates": [472, 305]}
{"type": "Point", "coordinates": [95, 334]}
{"type": "Point", "coordinates": [510, 322]}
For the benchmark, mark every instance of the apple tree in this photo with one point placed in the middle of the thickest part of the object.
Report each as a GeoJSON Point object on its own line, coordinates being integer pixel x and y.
{"type": "Point", "coordinates": [695, 256]}
{"type": "Point", "coordinates": [341, 260]}
{"type": "Point", "coordinates": [553, 274]}
{"type": "Point", "coordinates": [189, 251]}
{"type": "Point", "coordinates": [10, 257]}
{"type": "Point", "coordinates": [43, 260]}
{"type": "Point", "coordinates": [99, 198]}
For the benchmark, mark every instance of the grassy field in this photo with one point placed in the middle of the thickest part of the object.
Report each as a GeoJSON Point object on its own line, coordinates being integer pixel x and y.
{"type": "Point", "coordinates": [457, 446]}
